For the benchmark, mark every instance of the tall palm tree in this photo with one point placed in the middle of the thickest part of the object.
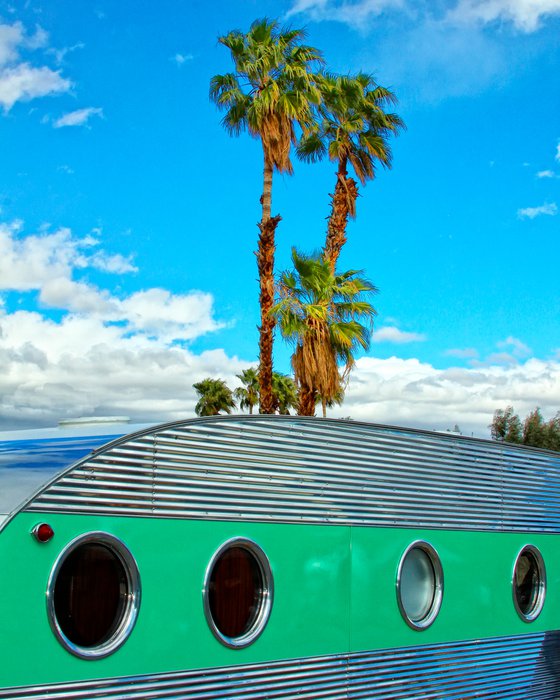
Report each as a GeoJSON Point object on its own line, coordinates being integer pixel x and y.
{"type": "Point", "coordinates": [215, 396]}
{"type": "Point", "coordinates": [327, 318]}
{"type": "Point", "coordinates": [352, 128]}
{"type": "Point", "coordinates": [248, 395]}
{"type": "Point", "coordinates": [285, 392]}
{"type": "Point", "coordinates": [270, 93]}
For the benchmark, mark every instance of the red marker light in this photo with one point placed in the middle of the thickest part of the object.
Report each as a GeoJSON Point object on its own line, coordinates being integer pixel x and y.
{"type": "Point", "coordinates": [43, 532]}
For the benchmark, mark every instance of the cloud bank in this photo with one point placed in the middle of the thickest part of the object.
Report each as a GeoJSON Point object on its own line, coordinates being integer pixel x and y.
{"type": "Point", "coordinates": [70, 348]}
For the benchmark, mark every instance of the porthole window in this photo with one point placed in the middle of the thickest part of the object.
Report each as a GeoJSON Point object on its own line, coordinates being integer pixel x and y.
{"type": "Point", "coordinates": [93, 595]}
{"type": "Point", "coordinates": [420, 585]}
{"type": "Point", "coordinates": [238, 592]}
{"type": "Point", "coordinates": [529, 583]}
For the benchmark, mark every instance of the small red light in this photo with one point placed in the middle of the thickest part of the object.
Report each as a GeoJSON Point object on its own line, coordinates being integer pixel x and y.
{"type": "Point", "coordinates": [43, 532]}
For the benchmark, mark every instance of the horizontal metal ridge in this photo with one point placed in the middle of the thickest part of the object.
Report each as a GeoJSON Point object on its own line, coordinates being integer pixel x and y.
{"type": "Point", "coordinates": [507, 667]}
{"type": "Point", "coordinates": [289, 469]}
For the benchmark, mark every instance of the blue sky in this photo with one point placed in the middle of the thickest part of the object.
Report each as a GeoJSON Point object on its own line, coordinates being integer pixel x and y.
{"type": "Point", "coordinates": [128, 216]}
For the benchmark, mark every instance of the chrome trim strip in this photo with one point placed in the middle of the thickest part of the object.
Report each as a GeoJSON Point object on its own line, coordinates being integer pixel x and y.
{"type": "Point", "coordinates": [527, 666]}
{"type": "Point", "coordinates": [132, 604]}
{"type": "Point", "coordinates": [296, 470]}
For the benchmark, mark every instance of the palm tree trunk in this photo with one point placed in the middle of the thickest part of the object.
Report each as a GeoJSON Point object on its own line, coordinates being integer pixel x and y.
{"type": "Point", "coordinates": [306, 401]}
{"type": "Point", "coordinates": [343, 205]}
{"type": "Point", "coordinates": [324, 406]}
{"type": "Point", "coordinates": [265, 264]}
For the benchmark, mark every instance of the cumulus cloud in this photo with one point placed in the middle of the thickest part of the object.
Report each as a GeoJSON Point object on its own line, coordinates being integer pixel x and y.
{"type": "Point", "coordinates": [408, 392]}
{"type": "Point", "coordinates": [20, 80]}
{"type": "Point", "coordinates": [102, 353]}
{"type": "Point", "coordinates": [532, 212]}
{"type": "Point", "coordinates": [392, 334]}
{"type": "Point", "coordinates": [545, 174]}
{"type": "Point", "coordinates": [79, 117]}
{"type": "Point", "coordinates": [557, 157]}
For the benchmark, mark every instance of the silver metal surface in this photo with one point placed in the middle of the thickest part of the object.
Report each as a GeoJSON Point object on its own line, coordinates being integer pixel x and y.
{"type": "Point", "coordinates": [265, 599]}
{"type": "Point", "coordinates": [513, 668]}
{"type": "Point", "coordinates": [429, 617]}
{"type": "Point", "coordinates": [298, 470]}
{"type": "Point", "coordinates": [131, 606]}
{"type": "Point", "coordinates": [539, 594]}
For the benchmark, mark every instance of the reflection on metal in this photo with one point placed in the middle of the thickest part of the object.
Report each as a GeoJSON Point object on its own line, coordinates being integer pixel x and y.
{"type": "Point", "coordinates": [297, 470]}
{"type": "Point", "coordinates": [488, 668]}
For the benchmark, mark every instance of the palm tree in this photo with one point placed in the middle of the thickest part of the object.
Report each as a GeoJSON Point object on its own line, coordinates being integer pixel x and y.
{"type": "Point", "coordinates": [351, 128]}
{"type": "Point", "coordinates": [215, 396]}
{"type": "Point", "coordinates": [285, 392]}
{"type": "Point", "coordinates": [270, 93]}
{"type": "Point", "coordinates": [248, 395]}
{"type": "Point", "coordinates": [320, 313]}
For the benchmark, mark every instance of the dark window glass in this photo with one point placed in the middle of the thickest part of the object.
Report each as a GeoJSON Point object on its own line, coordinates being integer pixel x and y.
{"type": "Point", "coordinates": [527, 583]}
{"type": "Point", "coordinates": [90, 595]}
{"type": "Point", "coordinates": [235, 591]}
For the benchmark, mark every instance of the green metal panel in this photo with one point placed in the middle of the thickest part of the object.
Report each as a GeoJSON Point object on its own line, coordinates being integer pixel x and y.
{"type": "Point", "coordinates": [334, 593]}
{"type": "Point", "coordinates": [311, 568]}
{"type": "Point", "coordinates": [477, 599]}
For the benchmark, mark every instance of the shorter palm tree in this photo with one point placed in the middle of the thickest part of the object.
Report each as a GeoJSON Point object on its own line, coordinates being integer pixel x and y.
{"type": "Point", "coordinates": [320, 313]}
{"type": "Point", "coordinates": [284, 390]}
{"type": "Point", "coordinates": [215, 396]}
{"type": "Point", "coordinates": [247, 395]}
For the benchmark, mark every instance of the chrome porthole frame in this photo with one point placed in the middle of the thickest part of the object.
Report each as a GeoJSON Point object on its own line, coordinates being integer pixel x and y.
{"type": "Point", "coordinates": [131, 607]}
{"type": "Point", "coordinates": [428, 619]}
{"type": "Point", "coordinates": [538, 605]}
{"type": "Point", "coordinates": [266, 598]}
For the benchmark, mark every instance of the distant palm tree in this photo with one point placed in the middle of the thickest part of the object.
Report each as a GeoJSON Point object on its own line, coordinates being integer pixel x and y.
{"type": "Point", "coordinates": [270, 92]}
{"type": "Point", "coordinates": [247, 395]}
{"type": "Point", "coordinates": [215, 396]}
{"type": "Point", "coordinates": [320, 313]}
{"type": "Point", "coordinates": [285, 392]}
{"type": "Point", "coordinates": [352, 128]}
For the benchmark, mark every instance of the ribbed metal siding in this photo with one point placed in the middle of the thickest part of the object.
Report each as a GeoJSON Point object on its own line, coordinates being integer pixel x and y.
{"type": "Point", "coordinates": [275, 469]}
{"type": "Point", "coordinates": [509, 667]}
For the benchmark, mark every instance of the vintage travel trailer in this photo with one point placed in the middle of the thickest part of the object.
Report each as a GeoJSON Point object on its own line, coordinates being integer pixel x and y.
{"type": "Point", "coordinates": [277, 557]}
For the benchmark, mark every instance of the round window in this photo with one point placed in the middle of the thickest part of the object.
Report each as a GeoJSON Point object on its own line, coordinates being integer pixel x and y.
{"type": "Point", "coordinates": [419, 585]}
{"type": "Point", "coordinates": [529, 583]}
{"type": "Point", "coordinates": [238, 592]}
{"type": "Point", "coordinates": [93, 595]}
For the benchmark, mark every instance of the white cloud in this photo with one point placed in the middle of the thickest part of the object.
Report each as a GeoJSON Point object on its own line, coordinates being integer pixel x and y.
{"type": "Point", "coordinates": [79, 117]}
{"type": "Point", "coordinates": [525, 15]}
{"type": "Point", "coordinates": [517, 347]}
{"type": "Point", "coordinates": [462, 353]}
{"type": "Point", "coordinates": [532, 212]}
{"type": "Point", "coordinates": [546, 174]}
{"type": "Point", "coordinates": [20, 81]}
{"type": "Point", "coordinates": [557, 156]}
{"type": "Point", "coordinates": [182, 58]}
{"type": "Point", "coordinates": [391, 334]}
{"type": "Point", "coordinates": [355, 14]}
{"type": "Point", "coordinates": [103, 353]}
{"type": "Point", "coordinates": [416, 394]}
